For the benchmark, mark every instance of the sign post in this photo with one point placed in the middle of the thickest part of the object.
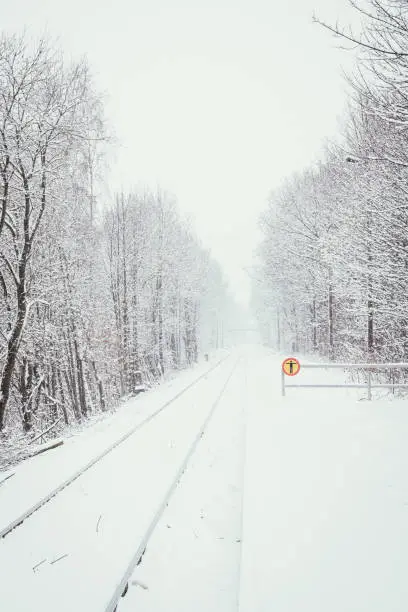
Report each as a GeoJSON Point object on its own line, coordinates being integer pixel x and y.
{"type": "Point", "coordinates": [290, 367]}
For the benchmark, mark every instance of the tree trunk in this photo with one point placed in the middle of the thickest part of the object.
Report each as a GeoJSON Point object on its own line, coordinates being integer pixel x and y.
{"type": "Point", "coordinates": [331, 324]}
{"type": "Point", "coordinates": [13, 344]}
{"type": "Point", "coordinates": [314, 324]}
{"type": "Point", "coordinates": [370, 302]}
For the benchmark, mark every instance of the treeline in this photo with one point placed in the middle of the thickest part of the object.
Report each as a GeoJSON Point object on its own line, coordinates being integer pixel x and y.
{"type": "Point", "coordinates": [333, 265]}
{"type": "Point", "coordinates": [94, 296]}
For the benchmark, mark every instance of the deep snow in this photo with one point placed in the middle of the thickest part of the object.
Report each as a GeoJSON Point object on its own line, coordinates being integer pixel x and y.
{"type": "Point", "coordinates": [319, 500]}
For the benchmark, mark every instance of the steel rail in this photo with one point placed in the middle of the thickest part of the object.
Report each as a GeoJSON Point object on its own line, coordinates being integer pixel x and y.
{"type": "Point", "coordinates": [25, 515]}
{"type": "Point", "coordinates": [122, 586]}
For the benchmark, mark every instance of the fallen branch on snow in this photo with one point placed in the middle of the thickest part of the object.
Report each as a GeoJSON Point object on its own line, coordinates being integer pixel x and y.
{"type": "Point", "coordinates": [46, 431]}
{"type": "Point", "coordinates": [59, 559]}
{"type": "Point", "coordinates": [49, 446]}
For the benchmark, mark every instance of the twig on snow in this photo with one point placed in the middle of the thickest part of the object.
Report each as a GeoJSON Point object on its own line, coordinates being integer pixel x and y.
{"type": "Point", "coordinates": [97, 524]}
{"type": "Point", "coordinates": [38, 564]}
{"type": "Point", "coordinates": [59, 559]}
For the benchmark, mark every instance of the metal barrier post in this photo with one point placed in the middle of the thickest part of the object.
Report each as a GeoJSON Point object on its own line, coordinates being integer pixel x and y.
{"type": "Point", "coordinates": [369, 385]}
{"type": "Point", "coordinates": [283, 383]}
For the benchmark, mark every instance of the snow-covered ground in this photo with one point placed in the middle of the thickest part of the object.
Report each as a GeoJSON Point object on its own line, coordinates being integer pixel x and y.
{"type": "Point", "coordinates": [71, 553]}
{"type": "Point", "coordinates": [192, 562]}
{"type": "Point", "coordinates": [326, 500]}
{"type": "Point", "coordinates": [35, 478]}
{"type": "Point", "coordinates": [292, 504]}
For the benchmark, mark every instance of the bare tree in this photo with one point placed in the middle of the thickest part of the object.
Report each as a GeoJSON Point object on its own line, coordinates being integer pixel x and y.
{"type": "Point", "coordinates": [42, 114]}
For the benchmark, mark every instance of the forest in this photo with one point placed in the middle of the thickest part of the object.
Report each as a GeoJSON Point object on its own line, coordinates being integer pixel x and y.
{"type": "Point", "coordinates": [97, 293]}
{"type": "Point", "coordinates": [102, 290]}
{"type": "Point", "coordinates": [332, 268]}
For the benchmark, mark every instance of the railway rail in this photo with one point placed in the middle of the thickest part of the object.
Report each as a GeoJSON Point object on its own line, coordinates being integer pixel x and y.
{"type": "Point", "coordinates": [21, 518]}
{"type": "Point", "coordinates": [122, 586]}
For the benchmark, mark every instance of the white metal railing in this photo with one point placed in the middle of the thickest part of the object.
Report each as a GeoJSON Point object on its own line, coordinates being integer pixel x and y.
{"type": "Point", "coordinates": [351, 366]}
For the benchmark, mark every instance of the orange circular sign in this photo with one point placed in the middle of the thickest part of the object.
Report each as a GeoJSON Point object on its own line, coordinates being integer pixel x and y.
{"type": "Point", "coordinates": [291, 366]}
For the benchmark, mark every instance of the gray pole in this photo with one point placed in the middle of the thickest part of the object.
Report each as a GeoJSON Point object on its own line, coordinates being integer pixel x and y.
{"type": "Point", "coordinates": [369, 385]}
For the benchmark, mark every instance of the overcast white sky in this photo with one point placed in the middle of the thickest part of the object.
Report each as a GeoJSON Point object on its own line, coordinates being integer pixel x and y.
{"type": "Point", "coordinates": [215, 100]}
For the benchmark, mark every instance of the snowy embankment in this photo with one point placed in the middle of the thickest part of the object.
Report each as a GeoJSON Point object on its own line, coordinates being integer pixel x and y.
{"type": "Point", "coordinates": [15, 451]}
{"type": "Point", "coordinates": [23, 485]}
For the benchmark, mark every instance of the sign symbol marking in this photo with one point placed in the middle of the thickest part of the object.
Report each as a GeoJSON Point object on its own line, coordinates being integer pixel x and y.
{"type": "Point", "coordinates": [291, 366]}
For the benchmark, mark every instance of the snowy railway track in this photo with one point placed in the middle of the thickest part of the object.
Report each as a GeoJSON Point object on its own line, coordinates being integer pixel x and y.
{"type": "Point", "coordinates": [19, 520]}
{"type": "Point", "coordinates": [122, 586]}
{"type": "Point", "coordinates": [78, 551]}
